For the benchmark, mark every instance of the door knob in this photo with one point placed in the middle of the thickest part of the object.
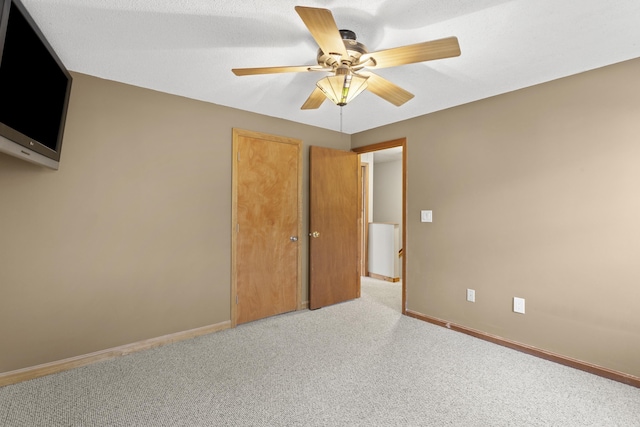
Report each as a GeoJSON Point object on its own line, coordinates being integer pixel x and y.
{"type": "Point", "coordinates": [293, 238]}
{"type": "Point", "coordinates": [314, 234]}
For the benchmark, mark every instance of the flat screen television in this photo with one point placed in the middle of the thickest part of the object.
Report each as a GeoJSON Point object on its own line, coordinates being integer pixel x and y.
{"type": "Point", "coordinates": [34, 89]}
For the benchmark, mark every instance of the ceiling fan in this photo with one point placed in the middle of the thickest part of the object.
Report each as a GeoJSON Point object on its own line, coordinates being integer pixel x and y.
{"type": "Point", "coordinates": [348, 62]}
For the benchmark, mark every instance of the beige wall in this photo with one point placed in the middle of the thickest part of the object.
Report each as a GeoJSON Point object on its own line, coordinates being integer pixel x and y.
{"type": "Point", "coordinates": [534, 194]}
{"type": "Point", "coordinates": [387, 193]}
{"type": "Point", "coordinates": [130, 239]}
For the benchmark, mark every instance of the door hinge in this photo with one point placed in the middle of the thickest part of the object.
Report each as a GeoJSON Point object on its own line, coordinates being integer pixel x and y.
{"type": "Point", "coordinates": [238, 155]}
{"type": "Point", "coordinates": [236, 299]}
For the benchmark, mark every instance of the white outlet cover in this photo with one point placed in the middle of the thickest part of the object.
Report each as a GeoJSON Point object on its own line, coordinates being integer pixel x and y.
{"type": "Point", "coordinates": [518, 305]}
{"type": "Point", "coordinates": [471, 295]}
{"type": "Point", "coordinates": [426, 216]}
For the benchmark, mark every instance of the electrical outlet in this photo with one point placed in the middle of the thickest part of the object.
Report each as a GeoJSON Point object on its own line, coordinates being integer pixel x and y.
{"type": "Point", "coordinates": [518, 305]}
{"type": "Point", "coordinates": [471, 295]}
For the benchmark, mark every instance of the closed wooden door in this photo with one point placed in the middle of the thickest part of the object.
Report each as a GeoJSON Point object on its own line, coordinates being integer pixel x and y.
{"type": "Point", "coordinates": [267, 224]}
{"type": "Point", "coordinates": [334, 203]}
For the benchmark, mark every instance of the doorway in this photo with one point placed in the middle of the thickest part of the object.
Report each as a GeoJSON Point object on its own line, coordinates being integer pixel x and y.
{"type": "Point", "coordinates": [388, 146]}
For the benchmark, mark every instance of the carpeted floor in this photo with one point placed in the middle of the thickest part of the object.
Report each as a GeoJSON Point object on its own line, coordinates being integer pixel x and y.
{"type": "Point", "coordinates": [359, 363]}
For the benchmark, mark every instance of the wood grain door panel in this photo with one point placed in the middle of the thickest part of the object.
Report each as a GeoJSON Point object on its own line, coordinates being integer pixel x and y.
{"type": "Point", "coordinates": [334, 202]}
{"type": "Point", "coordinates": [267, 217]}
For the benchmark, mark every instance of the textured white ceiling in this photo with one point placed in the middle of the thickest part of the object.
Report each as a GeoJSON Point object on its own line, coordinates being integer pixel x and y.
{"type": "Point", "coordinates": [188, 47]}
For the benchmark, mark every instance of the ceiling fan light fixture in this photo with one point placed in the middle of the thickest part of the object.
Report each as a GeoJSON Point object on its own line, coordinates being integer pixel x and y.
{"type": "Point", "coordinates": [346, 57]}
{"type": "Point", "coordinates": [343, 87]}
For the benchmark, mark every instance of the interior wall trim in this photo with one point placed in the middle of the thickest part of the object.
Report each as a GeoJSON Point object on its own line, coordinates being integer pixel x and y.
{"type": "Point", "coordinates": [553, 357]}
{"type": "Point", "coordinates": [29, 373]}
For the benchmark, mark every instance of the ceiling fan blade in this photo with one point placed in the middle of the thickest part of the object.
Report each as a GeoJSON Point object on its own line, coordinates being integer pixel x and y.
{"type": "Point", "coordinates": [324, 30]}
{"type": "Point", "coordinates": [419, 52]}
{"type": "Point", "coordinates": [387, 90]}
{"type": "Point", "coordinates": [315, 100]}
{"type": "Point", "coordinates": [274, 70]}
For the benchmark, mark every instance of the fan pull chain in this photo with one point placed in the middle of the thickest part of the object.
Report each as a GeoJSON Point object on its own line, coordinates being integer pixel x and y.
{"type": "Point", "coordinates": [340, 119]}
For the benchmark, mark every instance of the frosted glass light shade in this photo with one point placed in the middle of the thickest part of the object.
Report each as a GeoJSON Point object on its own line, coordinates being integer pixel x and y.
{"type": "Point", "coordinates": [342, 88]}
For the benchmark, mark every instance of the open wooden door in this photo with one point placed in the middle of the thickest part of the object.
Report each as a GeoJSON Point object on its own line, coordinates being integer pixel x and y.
{"type": "Point", "coordinates": [334, 204]}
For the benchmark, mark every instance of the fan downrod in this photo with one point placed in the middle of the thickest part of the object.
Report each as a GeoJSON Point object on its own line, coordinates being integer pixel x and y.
{"type": "Point", "coordinates": [347, 35]}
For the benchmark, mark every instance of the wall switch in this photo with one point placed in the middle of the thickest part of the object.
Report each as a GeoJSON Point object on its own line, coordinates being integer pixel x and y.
{"type": "Point", "coordinates": [426, 216]}
{"type": "Point", "coordinates": [471, 295]}
{"type": "Point", "coordinates": [518, 305]}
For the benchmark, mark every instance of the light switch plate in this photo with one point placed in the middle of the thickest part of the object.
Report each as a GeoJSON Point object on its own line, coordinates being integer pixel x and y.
{"type": "Point", "coordinates": [518, 305]}
{"type": "Point", "coordinates": [426, 216]}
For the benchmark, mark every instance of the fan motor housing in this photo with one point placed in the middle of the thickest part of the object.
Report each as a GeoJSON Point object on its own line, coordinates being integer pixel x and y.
{"type": "Point", "coordinates": [354, 49]}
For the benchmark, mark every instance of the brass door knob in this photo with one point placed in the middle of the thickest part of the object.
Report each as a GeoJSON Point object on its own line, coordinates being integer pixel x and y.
{"type": "Point", "coordinates": [314, 234]}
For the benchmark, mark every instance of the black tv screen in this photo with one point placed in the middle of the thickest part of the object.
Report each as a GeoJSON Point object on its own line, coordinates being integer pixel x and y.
{"type": "Point", "coordinates": [34, 88]}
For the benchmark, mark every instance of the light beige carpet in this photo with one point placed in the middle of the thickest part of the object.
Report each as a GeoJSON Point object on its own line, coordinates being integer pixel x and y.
{"type": "Point", "coordinates": [359, 363]}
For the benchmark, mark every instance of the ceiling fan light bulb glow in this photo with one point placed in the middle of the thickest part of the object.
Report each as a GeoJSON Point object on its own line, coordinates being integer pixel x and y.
{"type": "Point", "coordinates": [342, 88]}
